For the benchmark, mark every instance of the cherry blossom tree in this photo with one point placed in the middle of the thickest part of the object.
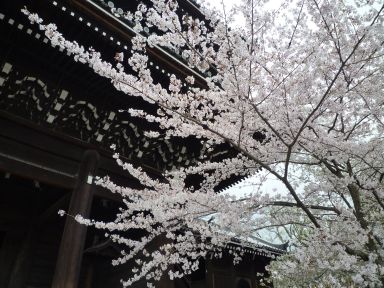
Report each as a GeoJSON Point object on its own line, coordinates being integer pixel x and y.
{"type": "Point", "coordinates": [297, 92]}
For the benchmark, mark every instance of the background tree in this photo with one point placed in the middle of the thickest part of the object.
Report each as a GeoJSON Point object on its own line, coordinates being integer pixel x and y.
{"type": "Point", "coordinates": [308, 77]}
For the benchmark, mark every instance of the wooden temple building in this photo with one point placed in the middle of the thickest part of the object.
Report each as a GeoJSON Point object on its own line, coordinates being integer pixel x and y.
{"type": "Point", "coordinates": [57, 122]}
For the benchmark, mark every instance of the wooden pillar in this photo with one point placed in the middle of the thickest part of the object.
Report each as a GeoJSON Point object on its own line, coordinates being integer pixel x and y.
{"type": "Point", "coordinates": [11, 253]}
{"type": "Point", "coordinates": [68, 263]}
{"type": "Point", "coordinates": [165, 282]}
{"type": "Point", "coordinates": [19, 274]}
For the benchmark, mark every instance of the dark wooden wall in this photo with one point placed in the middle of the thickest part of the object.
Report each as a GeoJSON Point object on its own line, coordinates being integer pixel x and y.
{"type": "Point", "coordinates": [31, 231]}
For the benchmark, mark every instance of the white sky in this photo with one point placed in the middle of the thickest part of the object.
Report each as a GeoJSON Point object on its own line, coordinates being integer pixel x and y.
{"type": "Point", "coordinates": [252, 184]}
{"type": "Point", "coordinates": [218, 4]}
{"type": "Point", "coordinates": [260, 183]}
{"type": "Point", "coordinates": [270, 185]}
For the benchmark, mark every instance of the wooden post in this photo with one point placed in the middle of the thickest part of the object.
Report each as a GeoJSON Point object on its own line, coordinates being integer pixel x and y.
{"type": "Point", "coordinates": [12, 249]}
{"type": "Point", "coordinates": [19, 274]}
{"type": "Point", "coordinates": [165, 282]}
{"type": "Point", "coordinates": [68, 263]}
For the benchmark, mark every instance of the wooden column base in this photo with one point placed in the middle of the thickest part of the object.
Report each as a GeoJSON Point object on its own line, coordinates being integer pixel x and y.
{"type": "Point", "coordinates": [72, 243]}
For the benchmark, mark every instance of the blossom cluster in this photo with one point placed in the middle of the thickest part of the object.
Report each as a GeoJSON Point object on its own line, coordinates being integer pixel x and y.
{"type": "Point", "coordinates": [296, 92]}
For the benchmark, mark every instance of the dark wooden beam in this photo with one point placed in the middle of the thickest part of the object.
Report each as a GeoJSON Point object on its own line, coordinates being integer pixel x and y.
{"type": "Point", "coordinates": [18, 166]}
{"type": "Point", "coordinates": [68, 149]}
{"type": "Point", "coordinates": [72, 243]}
{"type": "Point", "coordinates": [160, 56]}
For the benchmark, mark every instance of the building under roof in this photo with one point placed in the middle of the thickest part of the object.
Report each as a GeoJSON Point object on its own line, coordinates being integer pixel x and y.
{"type": "Point", "coordinates": [57, 122]}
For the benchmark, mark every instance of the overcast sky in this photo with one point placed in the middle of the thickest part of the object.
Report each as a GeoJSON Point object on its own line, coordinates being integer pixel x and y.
{"type": "Point", "coordinates": [252, 184]}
